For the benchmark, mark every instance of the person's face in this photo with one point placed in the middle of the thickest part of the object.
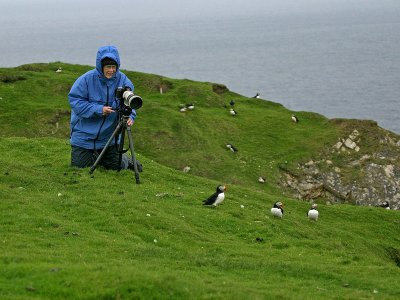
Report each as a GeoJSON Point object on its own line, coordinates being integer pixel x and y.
{"type": "Point", "coordinates": [109, 70]}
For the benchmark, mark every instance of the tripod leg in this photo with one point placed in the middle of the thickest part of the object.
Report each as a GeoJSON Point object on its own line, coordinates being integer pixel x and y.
{"type": "Point", "coordinates": [105, 147]}
{"type": "Point", "coordinates": [133, 155]}
{"type": "Point", "coordinates": [121, 147]}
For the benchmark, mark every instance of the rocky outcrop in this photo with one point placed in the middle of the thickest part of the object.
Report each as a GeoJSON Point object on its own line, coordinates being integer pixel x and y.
{"type": "Point", "coordinates": [348, 175]}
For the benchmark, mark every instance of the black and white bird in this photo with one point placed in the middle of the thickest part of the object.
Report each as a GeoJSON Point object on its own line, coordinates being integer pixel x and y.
{"type": "Point", "coordinates": [385, 205]}
{"type": "Point", "coordinates": [232, 103]}
{"type": "Point", "coordinates": [59, 70]}
{"type": "Point", "coordinates": [295, 119]}
{"type": "Point", "coordinates": [277, 210]}
{"type": "Point", "coordinates": [190, 106]}
{"type": "Point", "coordinates": [232, 148]}
{"type": "Point", "coordinates": [232, 112]}
{"type": "Point", "coordinates": [217, 197]}
{"type": "Point", "coordinates": [257, 96]}
{"type": "Point", "coordinates": [313, 212]}
{"type": "Point", "coordinates": [261, 179]}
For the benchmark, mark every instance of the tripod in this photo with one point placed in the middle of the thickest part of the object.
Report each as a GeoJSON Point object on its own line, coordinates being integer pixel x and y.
{"type": "Point", "coordinates": [121, 128]}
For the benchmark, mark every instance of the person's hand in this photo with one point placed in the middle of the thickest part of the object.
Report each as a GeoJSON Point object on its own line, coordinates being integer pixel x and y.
{"type": "Point", "coordinates": [129, 123]}
{"type": "Point", "coordinates": [107, 110]}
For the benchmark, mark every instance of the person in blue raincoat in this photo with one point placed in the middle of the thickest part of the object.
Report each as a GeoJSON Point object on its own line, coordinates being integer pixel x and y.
{"type": "Point", "coordinates": [93, 112]}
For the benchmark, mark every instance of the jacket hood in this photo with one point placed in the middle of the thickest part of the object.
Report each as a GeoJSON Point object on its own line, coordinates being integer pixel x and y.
{"type": "Point", "coordinates": [107, 51]}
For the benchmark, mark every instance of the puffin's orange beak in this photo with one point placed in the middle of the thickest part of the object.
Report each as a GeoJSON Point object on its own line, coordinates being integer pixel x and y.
{"type": "Point", "coordinates": [225, 187]}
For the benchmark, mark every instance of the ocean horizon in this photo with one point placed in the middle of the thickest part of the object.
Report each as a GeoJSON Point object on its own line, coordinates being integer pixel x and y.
{"type": "Point", "coordinates": [342, 65]}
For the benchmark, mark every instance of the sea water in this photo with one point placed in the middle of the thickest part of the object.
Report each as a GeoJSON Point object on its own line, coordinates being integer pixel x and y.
{"type": "Point", "coordinates": [340, 65]}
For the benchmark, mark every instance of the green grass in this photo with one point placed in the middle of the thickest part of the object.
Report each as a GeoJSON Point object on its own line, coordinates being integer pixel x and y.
{"type": "Point", "coordinates": [66, 234]}
{"type": "Point", "coordinates": [262, 131]}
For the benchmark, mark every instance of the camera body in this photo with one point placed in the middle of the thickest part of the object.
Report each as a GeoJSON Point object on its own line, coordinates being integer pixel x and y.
{"type": "Point", "coordinates": [127, 98]}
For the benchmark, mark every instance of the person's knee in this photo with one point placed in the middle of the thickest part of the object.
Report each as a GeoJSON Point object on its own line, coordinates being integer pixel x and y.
{"type": "Point", "coordinates": [81, 158]}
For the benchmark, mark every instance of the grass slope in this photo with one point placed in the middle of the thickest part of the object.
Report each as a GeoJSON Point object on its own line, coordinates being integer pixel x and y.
{"type": "Point", "coordinates": [36, 96]}
{"type": "Point", "coordinates": [66, 234]}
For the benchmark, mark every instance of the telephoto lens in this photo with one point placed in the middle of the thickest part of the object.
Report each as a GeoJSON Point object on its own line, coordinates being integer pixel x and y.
{"type": "Point", "coordinates": [132, 100]}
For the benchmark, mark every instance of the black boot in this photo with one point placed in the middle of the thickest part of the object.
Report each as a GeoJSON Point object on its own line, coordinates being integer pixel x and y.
{"type": "Point", "coordinates": [138, 164]}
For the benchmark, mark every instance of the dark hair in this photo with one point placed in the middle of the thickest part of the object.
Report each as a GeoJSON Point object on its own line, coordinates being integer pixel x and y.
{"type": "Point", "coordinates": [108, 62]}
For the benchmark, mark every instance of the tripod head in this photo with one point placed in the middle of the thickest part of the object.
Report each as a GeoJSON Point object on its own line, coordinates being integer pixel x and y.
{"type": "Point", "coordinates": [123, 113]}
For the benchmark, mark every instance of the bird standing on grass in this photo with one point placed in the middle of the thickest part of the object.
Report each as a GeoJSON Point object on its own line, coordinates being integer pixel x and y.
{"type": "Point", "coordinates": [313, 212]}
{"type": "Point", "coordinates": [232, 112]}
{"type": "Point", "coordinates": [232, 148]}
{"type": "Point", "coordinates": [277, 210]}
{"type": "Point", "coordinates": [217, 197]}
{"type": "Point", "coordinates": [295, 119]}
{"type": "Point", "coordinates": [257, 96]}
{"type": "Point", "coordinates": [385, 205]}
{"type": "Point", "coordinates": [232, 103]}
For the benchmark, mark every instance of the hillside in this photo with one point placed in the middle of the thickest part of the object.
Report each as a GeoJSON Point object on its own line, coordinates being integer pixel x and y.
{"type": "Point", "coordinates": [70, 235]}
{"type": "Point", "coordinates": [269, 144]}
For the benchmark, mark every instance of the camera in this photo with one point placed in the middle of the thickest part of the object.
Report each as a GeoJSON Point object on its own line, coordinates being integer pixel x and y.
{"type": "Point", "coordinates": [129, 98]}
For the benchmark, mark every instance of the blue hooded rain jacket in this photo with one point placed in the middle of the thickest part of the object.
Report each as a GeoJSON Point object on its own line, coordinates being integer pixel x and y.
{"type": "Point", "coordinates": [90, 92]}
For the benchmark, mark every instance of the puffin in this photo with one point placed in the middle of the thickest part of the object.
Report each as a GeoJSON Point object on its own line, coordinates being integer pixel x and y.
{"type": "Point", "coordinates": [385, 205]}
{"type": "Point", "coordinates": [277, 210]}
{"type": "Point", "coordinates": [233, 112]}
{"type": "Point", "coordinates": [59, 70]}
{"type": "Point", "coordinates": [183, 109]}
{"type": "Point", "coordinates": [232, 148]}
{"type": "Point", "coordinates": [313, 212]}
{"type": "Point", "coordinates": [257, 96]}
{"type": "Point", "coordinates": [232, 103]}
{"type": "Point", "coordinates": [190, 106]}
{"type": "Point", "coordinates": [261, 179]}
{"type": "Point", "coordinates": [217, 197]}
{"type": "Point", "coordinates": [295, 119]}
